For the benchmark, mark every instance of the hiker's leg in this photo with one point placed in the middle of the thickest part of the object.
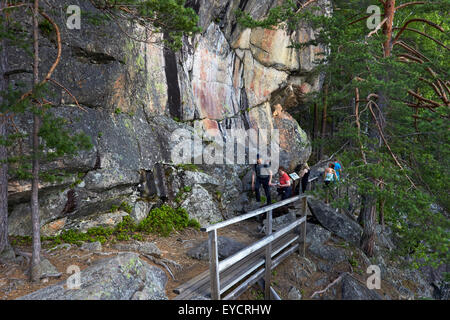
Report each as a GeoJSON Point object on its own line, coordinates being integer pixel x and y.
{"type": "Point", "coordinates": [284, 194]}
{"type": "Point", "coordinates": [304, 185]}
{"type": "Point", "coordinates": [257, 194]}
{"type": "Point", "coordinates": [267, 190]}
{"type": "Point", "coordinates": [288, 192]}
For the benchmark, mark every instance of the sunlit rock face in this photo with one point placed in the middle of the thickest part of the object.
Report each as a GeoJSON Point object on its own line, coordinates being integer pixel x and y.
{"type": "Point", "coordinates": [136, 94]}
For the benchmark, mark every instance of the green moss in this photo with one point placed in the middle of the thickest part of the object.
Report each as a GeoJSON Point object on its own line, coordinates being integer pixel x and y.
{"type": "Point", "coordinates": [353, 262]}
{"type": "Point", "coordinates": [46, 28]}
{"type": "Point", "coordinates": [188, 167]}
{"type": "Point", "coordinates": [162, 221]}
{"type": "Point", "coordinates": [166, 219]}
{"type": "Point", "coordinates": [140, 63]}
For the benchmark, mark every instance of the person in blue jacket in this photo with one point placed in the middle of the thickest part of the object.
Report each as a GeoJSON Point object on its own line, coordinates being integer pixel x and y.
{"type": "Point", "coordinates": [338, 169]}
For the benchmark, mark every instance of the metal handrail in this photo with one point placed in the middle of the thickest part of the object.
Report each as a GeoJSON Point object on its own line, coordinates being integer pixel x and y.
{"type": "Point", "coordinates": [215, 267]}
{"type": "Point", "coordinates": [254, 213]}
{"type": "Point", "coordinates": [249, 215]}
{"type": "Point", "coordinates": [228, 262]}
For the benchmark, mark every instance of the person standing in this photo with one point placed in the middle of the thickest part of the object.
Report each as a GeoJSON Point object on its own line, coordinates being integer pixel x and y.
{"type": "Point", "coordinates": [329, 177]}
{"type": "Point", "coordinates": [304, 175]}
{"type": "Point", "coordinates": [262, 176]}
{"type": "Point", "coordinates": [338, 169]}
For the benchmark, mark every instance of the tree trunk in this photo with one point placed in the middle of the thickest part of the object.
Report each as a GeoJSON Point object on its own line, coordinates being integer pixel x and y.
{"type": "Point", "coordinates": [316, 127]}
{"type": "Point", "coordinates": [36, 255]}
{"type": "Point", "coordinates": [368, 211]}
{"type": "Point", "coordinates": [3, 188]}
{"type": "Point", "coordinates": [3, 152]}
{"type": "Point", "coordinates": [324, 119]}
{"type": "Point", "coordinates": [389, 13]}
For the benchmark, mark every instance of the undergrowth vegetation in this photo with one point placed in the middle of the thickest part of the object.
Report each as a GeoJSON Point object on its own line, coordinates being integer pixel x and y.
{"type": "Point", "coordinates": [161, 221]}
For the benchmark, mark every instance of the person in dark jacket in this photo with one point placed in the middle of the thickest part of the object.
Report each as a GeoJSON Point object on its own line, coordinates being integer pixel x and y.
{"type": "Point", "coordinates": [262, 175]}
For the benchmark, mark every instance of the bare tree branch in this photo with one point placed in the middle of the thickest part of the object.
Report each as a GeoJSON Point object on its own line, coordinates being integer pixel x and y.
{"type": "Point", "coordinates": [377, 27]}
{"type": "Point", "coordinates": [409, 4]}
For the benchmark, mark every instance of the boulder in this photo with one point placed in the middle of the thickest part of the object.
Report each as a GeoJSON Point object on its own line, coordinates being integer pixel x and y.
{"type": "Point", "coordinates": [281, 221]}
{"type": "Point", "coordinates": [226, 247]}
{"type": "Point", "coordinates": [328, 253]}
{"type": "Point", "coordinates": [337, 223]}
{"type": "Point", "coordinates": [201, 206]}
{"type": "Point", "coordinates": [352, 289]}
{"type": "Point", "coordinates": [7, 255]}
{"type": "Point", "coordinates": [294, 294]}
{"type": "Point", "coordinates": [124, 277]}
{"type": "Point", "coordinates": [47, 269]}
{"type": "Point", "coordinates": [315, 234]}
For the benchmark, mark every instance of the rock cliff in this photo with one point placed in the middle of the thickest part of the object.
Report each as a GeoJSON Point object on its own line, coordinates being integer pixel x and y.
{"type": "Point", "coordinates": [135, 94]}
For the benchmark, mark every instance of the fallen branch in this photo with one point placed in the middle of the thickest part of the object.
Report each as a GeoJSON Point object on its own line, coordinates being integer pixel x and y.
{"type": "Point", "coordinates": [328, 287]}
{"type": "Point", "coordinates": [306, 4]}
{"type": "Point", "coordinates": [162, 262]}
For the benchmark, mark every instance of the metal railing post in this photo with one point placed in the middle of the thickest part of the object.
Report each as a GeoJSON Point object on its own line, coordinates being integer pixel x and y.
{"type": "Point", "coordinates": [268, 265]}
{"type": "Point", "coordinates": [214, 265]}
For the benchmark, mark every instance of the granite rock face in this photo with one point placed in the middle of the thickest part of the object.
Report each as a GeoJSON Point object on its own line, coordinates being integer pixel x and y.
{"type": "Point", "coordinates": [135, 95]}
{"type": "Point", "coordinates": [352, 289]}
{"type": "Point", "coordinates": [125, 277]}
{"type": "Point", "coordinates": [338, 224]}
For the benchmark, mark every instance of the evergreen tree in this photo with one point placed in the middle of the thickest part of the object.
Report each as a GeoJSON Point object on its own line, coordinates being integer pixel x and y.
{"type": "Point", "coordinates": [387, 92]}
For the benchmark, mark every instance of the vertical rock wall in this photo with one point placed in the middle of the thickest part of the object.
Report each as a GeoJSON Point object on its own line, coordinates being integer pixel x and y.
{"type": "Point", "coordinates": [136, 94]}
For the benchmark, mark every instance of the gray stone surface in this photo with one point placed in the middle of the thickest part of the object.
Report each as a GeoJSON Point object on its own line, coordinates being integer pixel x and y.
{"type": "Point", "coordinates": [92, 246]}
{"type": "Point", "coordinates": [226, 247]}
{"type": "Point", "coordinates": [338, 224]}
{"type": "Point", "coordinates": [124, 277]}
{"type": "Point", "coordinates": [294, 294]}
{"type": "Point", "coordinates": [7, 255]}
{"type": "Point", "coordinates": [148, 248]}
{"type": "Point", "coordinates": [315, 234]}
{"type": "Point", "coordinates": [224, 78]}
{"type": "Point", "coordinates": [201, 206]}
{"type": "Point", "coordinates": [352, 289]}
{"type": "Point", "coordinates": [329, 253]}
{"type": "Point", "coordinates": [48, 270]}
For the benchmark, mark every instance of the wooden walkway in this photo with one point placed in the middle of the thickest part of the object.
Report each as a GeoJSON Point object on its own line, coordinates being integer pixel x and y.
{"type": "Point", "coordinates": [200, 285]}
{"type": "Point", "coordinates": [231, 277]}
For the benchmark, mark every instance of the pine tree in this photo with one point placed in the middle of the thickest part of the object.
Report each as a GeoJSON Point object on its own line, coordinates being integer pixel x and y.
{"type": "Point", "coordinates": [386, 88]}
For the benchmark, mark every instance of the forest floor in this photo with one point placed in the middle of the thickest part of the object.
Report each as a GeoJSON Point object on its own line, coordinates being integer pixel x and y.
{"type": "Point", "coordinates": [14, 281]}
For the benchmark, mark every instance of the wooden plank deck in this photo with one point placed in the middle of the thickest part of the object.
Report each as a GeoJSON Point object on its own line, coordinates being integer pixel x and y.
{"type": "Point", "coordinates": [200, 285]}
